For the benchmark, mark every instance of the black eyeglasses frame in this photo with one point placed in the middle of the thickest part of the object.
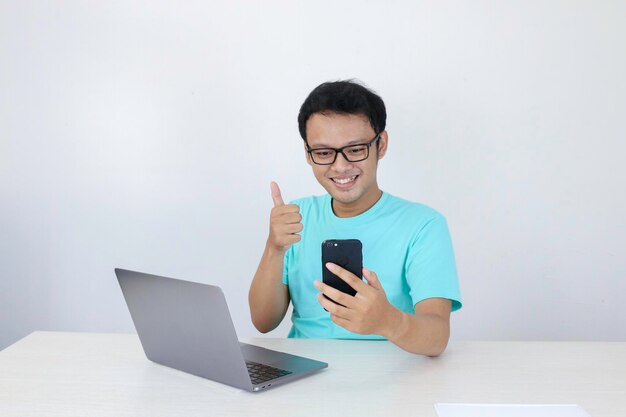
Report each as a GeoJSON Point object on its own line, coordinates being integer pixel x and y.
{"type": "Point", "coordinates": [340, 151]}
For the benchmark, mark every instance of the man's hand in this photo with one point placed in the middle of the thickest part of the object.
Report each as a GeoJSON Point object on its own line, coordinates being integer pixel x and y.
{"type": "Point", "coordinates": [268, 296]}
{"type": "Point", "coordinates": [285, 222]}
{"type": "Point", "coordinates": [368, 312]}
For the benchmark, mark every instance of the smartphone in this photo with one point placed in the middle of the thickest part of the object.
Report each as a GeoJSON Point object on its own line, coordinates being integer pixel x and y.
{"type": "Point", "coordinates": [348, 254]}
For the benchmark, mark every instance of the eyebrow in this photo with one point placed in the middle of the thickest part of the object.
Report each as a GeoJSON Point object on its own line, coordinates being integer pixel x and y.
{"type": "Point", "coordinates": [325, 146]}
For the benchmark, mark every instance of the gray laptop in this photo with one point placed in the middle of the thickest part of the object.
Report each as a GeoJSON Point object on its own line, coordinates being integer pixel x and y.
{"type": "Point", "coordinates": [187, 326]}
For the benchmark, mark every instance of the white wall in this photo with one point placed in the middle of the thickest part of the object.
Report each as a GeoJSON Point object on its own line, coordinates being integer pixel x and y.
{"type": "Point", "coordinates": [144, 135]}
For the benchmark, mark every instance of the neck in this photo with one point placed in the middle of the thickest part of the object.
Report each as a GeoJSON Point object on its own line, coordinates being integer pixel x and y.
{"type": "Point", "coordinates": [363, 204]}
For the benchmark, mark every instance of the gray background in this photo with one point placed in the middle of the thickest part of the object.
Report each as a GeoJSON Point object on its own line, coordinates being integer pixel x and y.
{"type": "Point", "coordinates": [144, 135]}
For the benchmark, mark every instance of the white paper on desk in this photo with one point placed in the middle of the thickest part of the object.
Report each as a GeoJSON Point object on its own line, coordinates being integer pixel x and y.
{"type": "Point", "coordinates": [510, 410]}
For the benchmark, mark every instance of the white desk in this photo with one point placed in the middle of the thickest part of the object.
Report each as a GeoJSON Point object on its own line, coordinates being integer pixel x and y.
{"type": "Point", "coordinates": [83, 374]}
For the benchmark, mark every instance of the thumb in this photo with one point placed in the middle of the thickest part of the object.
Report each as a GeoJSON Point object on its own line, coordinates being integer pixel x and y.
{"type": "Point", "coordinates": [278, 199]}
{"type": "Point", "coordinates": [372, 279]}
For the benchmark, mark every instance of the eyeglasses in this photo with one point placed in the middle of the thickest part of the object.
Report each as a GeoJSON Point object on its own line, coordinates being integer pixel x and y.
{"type": "Point", "coordinates": [352, 153]}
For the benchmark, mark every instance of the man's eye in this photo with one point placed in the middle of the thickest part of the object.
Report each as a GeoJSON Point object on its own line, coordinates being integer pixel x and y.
{"type": "Point", "coordinates": [356, 151]}
{"type": "Point", "coordinates": [323, 154]}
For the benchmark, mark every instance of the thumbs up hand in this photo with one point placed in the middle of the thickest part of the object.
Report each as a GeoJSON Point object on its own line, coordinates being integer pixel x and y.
{"type": "Point", "coordinates": [285, 222]}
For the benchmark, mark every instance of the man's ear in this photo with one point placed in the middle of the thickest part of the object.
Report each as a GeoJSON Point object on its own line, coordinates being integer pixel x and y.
{"type": "Point", "coordinates": [382, 144]}
{"type": "Point", "coordinates": [307, 155]}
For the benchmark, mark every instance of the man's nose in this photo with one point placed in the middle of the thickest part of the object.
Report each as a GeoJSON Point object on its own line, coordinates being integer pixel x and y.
{"type": "Point", "coordinates": [341, 162]}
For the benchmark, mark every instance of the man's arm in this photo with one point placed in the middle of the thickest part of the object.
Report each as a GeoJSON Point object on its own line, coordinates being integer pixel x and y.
{"type": "Point", "coordinates": [427, 331]}
{"type": "Point", "coordinates": [268, 296]}
{"type": "Point", "coordinates": [369, 312]}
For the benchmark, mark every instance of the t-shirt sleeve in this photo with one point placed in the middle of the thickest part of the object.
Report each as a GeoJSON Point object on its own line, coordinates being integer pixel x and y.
{"type": "Point", "coordinates": [431, 269]}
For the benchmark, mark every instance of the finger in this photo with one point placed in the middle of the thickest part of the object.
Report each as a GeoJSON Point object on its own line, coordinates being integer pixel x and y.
{"type": "Point", "coordinates": [278, 212]}
{"type": "Point", "coordinates": [282, 226]}
{"type": "Point", "coordinates": [335, 295]}
{"type": "Point", "coordinates": [294, 228]}
{"type": "Point", "coordinates": [291, 218]}
{"type": "Point", "coordinates": [286, 209]}
{"type": "Point", "coordinates": [340, 321]}
{"type": "Point", "coordinates": [352, 280]}
{"type": "Point", "coordinates": [372, 279]}
{"type": "Point", "coordinates": [289, 229]}
{"type": "Point", "coordinates": [333, 308]}
{"type": "Point", "coordinates": [276, 196]}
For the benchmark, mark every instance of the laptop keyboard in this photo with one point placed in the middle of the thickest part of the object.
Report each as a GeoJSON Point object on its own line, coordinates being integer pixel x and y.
{"type": "Point", "coordinates": [261, 373]}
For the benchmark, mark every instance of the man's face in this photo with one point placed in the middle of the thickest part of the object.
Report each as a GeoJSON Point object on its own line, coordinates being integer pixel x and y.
{"type": "Point", "coordinates": [352, 185]}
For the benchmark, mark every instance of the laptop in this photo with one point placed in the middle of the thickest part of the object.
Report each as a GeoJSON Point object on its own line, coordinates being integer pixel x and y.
{"type": "Point", "coordinates": [187, 326]}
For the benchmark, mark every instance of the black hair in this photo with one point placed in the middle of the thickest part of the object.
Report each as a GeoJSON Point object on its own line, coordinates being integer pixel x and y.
{"type": "Point", "coordinates": [344, 97]}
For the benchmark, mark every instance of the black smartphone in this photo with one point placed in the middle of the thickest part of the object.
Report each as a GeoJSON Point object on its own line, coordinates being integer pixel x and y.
{"type": "Point", "coordinates": [348, 254]}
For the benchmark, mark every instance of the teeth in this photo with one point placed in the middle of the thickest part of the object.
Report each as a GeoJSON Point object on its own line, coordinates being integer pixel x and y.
{"type": "Point", "coordinates": [344, 181]}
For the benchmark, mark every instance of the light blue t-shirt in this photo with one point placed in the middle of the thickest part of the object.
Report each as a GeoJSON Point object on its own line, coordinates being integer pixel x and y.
{"type": "Point", "coordinates": [406, 244]}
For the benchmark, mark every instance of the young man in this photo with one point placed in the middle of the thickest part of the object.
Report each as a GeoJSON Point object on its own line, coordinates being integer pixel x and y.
{"type": "Point", "coordinates": [410, 284]}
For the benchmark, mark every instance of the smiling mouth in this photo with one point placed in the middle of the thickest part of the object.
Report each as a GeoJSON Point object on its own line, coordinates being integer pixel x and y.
{"type": "Point", "coordinates": [345, 181]}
